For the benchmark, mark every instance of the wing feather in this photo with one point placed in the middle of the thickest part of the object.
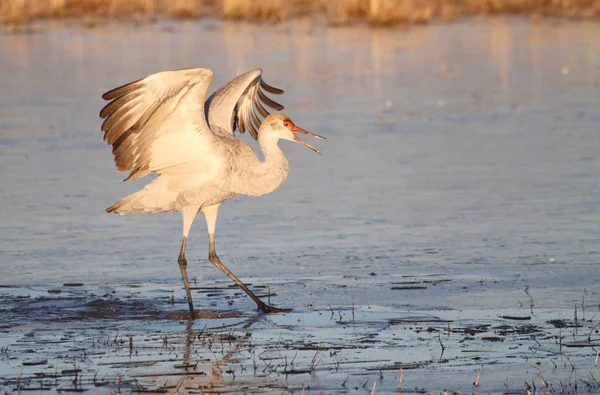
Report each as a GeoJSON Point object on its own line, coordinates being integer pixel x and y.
{"type": "Point", "coordinates": [241, 103]}
{"type": "Point", "coordinates": [270, 89]}
{"type": "Point", "coordinates": [268, 101]}
{"type": "Point", "coordinates": [157, 122]}
{"type": "Point", "coordinates": [261, 110]}
{"type": "Point", "coordinates": [122, 90]}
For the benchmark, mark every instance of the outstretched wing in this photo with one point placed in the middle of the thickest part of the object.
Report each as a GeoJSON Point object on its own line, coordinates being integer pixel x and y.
{"type": "Point", "coordinates": [240, 103]}
{"type": "Point", "coordinates": [157, 122]}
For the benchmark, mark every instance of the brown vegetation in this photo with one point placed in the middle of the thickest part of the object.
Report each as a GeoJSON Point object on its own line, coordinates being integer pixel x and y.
{"type": "Point", "coordinates": [375, 12]}
{"type": "Point", "coordinates": [18, 11]}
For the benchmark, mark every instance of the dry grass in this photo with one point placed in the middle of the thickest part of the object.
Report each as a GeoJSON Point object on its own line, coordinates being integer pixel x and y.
{"type": "Point", "coordinates": [19, 11]}
{"type": "Point", "coordinates": [375, 12]}
{"type": "Point", "coordinates": [273, 10]}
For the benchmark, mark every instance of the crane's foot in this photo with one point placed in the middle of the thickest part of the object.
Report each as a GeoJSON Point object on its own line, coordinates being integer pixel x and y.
{"type": "Point", "coordinates": [265, 308]}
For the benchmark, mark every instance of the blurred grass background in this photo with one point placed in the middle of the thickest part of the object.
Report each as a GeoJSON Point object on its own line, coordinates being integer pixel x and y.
{"type": "Point", "coordinates": [336, 12]}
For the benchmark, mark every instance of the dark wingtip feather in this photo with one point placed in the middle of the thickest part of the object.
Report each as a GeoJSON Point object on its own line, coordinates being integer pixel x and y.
{"type": "Point", "coordinates": [133, 175]}
{"type": "Point", "coordinates": [241, 126]}
{"type": "Point", "coordinates": [268, 101]}
{"type": "Point", "coordinates": [122, 90]}
{"type": "Point", "coordinates": [270, 89]}
{"type": "Point", "coordinates": [254, 125]}
{"type": "Point", "coordinates": [104, 112]}
{"type": "Point", "coordinates": [113, 93]}
{"type": "Point", "coordinates": [254, 134]}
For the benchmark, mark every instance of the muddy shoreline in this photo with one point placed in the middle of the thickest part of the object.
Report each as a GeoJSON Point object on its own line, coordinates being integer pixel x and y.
{"type": "Point", "coordinates": [137, 339]}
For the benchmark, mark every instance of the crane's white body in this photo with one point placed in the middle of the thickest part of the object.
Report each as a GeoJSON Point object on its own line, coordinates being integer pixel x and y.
{"type": "Point", "coordinates": [199, 164]}
{"type": "Point", "coordinates": [163, 123]}
{"type": "Point", "coordinates": [229, 167]}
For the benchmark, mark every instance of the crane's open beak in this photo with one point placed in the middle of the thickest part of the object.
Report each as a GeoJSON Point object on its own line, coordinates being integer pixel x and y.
{"type": "Point", "coordinates": [297, 139]}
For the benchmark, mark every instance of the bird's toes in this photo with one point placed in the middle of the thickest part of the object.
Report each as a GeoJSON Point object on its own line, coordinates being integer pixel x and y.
{"type": "Point", "coordinates": [271, 309]}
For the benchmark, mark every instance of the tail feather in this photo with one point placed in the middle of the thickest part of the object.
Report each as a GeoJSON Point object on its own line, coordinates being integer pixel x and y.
{"type": "Point", "coordinates": [154, 198]}
{"type": "Point", "coordinates": [129, 205]}
{"type": "Point", "coordinates": [121, 206]}
{"type": "Point", "coordinates": [114, 207]}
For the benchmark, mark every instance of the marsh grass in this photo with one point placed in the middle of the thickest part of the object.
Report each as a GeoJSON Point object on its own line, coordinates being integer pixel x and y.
{"type": "Point", "coordinates": [19, 11]}
{"type": "Point", "coordinates": [374, 12]}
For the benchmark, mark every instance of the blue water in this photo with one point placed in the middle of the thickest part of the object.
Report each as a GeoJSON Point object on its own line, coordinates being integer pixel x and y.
{"type": "Point", "coordinates": [467, 150]}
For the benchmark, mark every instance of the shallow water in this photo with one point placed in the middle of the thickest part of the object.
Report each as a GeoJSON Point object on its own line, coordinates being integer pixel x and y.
{"type": "Point", "coordinates": [464, 152]}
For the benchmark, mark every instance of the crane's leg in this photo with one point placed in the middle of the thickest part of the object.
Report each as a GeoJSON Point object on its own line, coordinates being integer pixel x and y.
{"type": "Point", "coordinates": [210, 213]}
{"type": "Point", "coordinates": [188, 213]}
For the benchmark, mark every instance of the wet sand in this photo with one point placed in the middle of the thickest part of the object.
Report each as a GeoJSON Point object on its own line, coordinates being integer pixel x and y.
{"type": "Point", "coordinates": [449, 228]}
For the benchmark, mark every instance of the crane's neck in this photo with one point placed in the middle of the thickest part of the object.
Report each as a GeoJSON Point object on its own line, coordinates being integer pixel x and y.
{"type": "Point", "coordinates": [266, 176]}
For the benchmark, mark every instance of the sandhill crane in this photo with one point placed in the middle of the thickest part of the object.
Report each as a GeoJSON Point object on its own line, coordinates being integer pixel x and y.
{"type": "Point", "coordinates": [161, 123]}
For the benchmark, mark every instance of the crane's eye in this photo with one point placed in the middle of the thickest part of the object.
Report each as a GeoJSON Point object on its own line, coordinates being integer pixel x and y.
{"type": "Point", "coordinates": [286, 124]}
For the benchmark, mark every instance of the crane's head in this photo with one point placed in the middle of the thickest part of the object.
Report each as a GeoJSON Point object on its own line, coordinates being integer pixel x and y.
{"type": "Point", "coordinates": [281, 126]}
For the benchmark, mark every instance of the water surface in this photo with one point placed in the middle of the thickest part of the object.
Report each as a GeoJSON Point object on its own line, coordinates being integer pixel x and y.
{"type": "Point", "coordinates": [465, 151]}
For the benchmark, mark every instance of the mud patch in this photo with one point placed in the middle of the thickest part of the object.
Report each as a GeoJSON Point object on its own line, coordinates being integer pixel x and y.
{"type": "Point", "coordinates": [137, 339]}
